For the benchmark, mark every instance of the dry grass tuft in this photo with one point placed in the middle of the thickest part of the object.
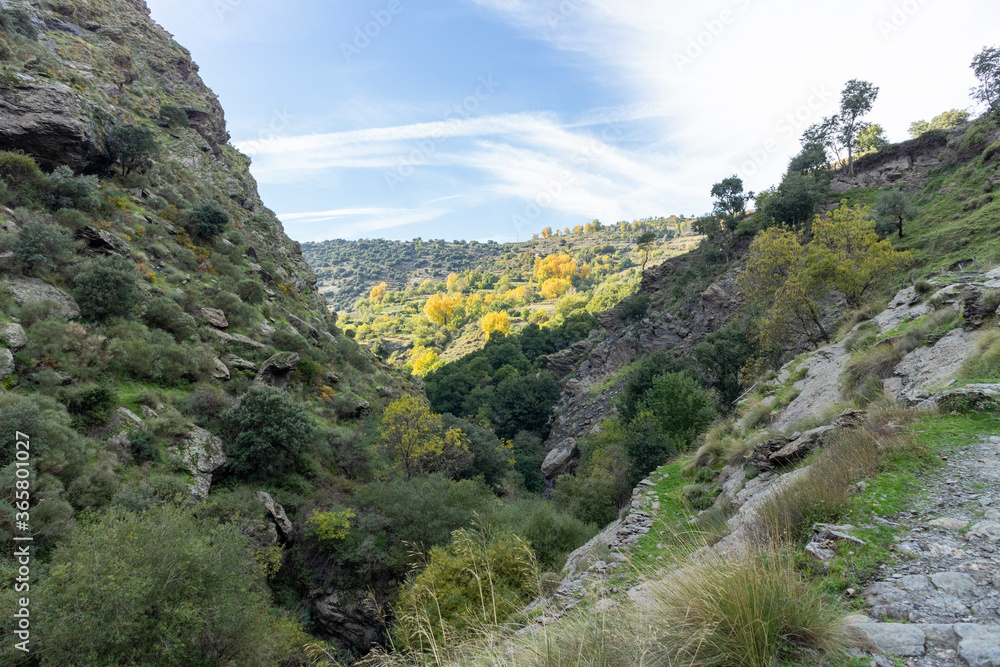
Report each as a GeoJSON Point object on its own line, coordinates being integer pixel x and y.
{"type": "Point", "coordinates": [877, 362]}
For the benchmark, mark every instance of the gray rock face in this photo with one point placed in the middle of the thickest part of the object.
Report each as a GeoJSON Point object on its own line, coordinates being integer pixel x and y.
{"type": "Point", "coordinates": [275, 371]}
{"type": "Point", "coordinates": [890, 638]}
{"type": "Point", "coordinates": [281, 522]}
{"type": "Point", "coordinates": [32, 290]}
{"type": "Point", "coordinates": [798, 448]}
{"type": "Point", "coordinates": [103, 243]}
{"type": "Point", "coordinates": [926, 368]}
{"type": "Point", "coordinates": [266, 329]}
{"type": "Point", "coordinates": [6, 364]}
{"type": "Point", "coordinates": [202, 454]}
{"type": "Point", "coordinates": [351, 618]}
{"type": "Point", "coordinates": [13, 334]}
{"type": "Point", "coordinates": [238, 338]}
{"type": "Point", "coordinates": [820, 388]}
{"type": "Point", "coordinates": [49, 123]}
{"type": "Point", "coordinates": [240, 364]}
{"type": "Point", "coordinates": [221, 372]}
{"type": "Point", "coordinates": [215, 317]}
{"type": "Point", "coordinates": [561, 459]}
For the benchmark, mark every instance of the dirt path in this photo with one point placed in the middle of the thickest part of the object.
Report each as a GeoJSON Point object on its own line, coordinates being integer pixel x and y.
{"type": "Point", "coordinates": [940, 606]}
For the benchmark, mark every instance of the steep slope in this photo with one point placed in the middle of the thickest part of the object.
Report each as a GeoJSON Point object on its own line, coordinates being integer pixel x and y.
{"type": "Point", "coordinates": [145, 293]}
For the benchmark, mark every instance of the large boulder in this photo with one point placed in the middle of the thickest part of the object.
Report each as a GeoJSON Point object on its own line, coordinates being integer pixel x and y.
{"type": "Point", "coordinates": [50, 123]}
{"type": "Point", "coordinates": [562, 459]}
{"type": "Point", "coordinates": [6, 363]}
{"type": "Point", "coordinates": [202, 454]}
{"type": "Point", "coordinates": [215, 317]}
{"type": "Point", "coordinates": [220, 372]}
{"type": "Point", "coordinates": [800, 446]}
{"type": "Point", "coordinates": [275, 371]}
{"type": "Point", "coordinates": [281, 522]}
{"type": "Point", "coordinates": [13, 335]}
{"type": "Point", "coordinates": [103, 243]}
{"type": "Point", "coordinates": [351, 618]}
{"type": "Point", "coordinates": [31, 290]}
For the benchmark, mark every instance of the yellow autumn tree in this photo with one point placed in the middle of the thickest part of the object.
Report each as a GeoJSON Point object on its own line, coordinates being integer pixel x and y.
{"type": "Point", "coordinates": [553, 288]}
{"type": "Point", "coordinates": [496, 323]}
{"type": "Point", "coordinates": [578, 229]}
{"type": "Point", "coordinates": [441, 307]}
{"type": "Point", "coordinates": [377, 295]}
{"type": "Point", "coordinates": [547, 232]}
{"type": "Point", "coordinates": [452, 282]}
{"type": "Point", "coordinates": [775, 280]}
{"type": "Point", "coordinates": [847, 255]}
{"type": "Point", "coordinates": [555, 266]}
{"type": "Point", "coordinates": [424, 360]}
{"type": "Point", "coordinates": [415, 440]}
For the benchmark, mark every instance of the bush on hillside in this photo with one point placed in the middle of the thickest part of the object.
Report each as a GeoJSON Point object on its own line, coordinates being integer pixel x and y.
{"type": "Point", "coordinates": [267, 431]}
{"type": "Point", "coordinates": [26, 184]}
{"type": "Point", "coordinates": [210, 219]}
{"type": "Point", "coordinates": [107, 287]}
{"type": "Point", "coordinates": [174, 116]}
{"type": "Point", "coordinates": [176, 592]}
{"type": "Point", "coordinates": [67, 190]}
{"type": "Point", "coordinates": [41, 246]}
{"type": "Point", "coordinates": [133, 147]}
{"type": "Point", "coordinates": [165, 313]}
{"type": "Point", "coordinates": [476, 582]}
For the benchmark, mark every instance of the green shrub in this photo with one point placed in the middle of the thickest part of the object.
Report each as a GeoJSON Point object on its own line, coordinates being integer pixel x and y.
{"type": "Point", "coordinates": [640, 380]}
{"type": "Point", "coordinates": [27, 184]}
{"type": "Point", "coordinates": [174, 116]}
{"type": "Point", "coordinates": [210, 219]}
{"type": "Point", "coordinates": [985, 363]}
{"type": "Point", "coordinates": [165, 313]}
{"type": "Point", "coordinates": [409, 516]}
{"type": "Point", "coordinates": [166, 591]}
{"type": "Point", "coordinates": [267, 431]}
{"type": "Point", "coordinates": [107, 287]}
{"type": "Point", "coordinates": [476, 582]}
{"type": "Point", "coordinates": [491, 458]}
{"type": "Point", "coordinates": [700, 496]}
{"type": "Point", "coordinates": [133, 147]}
{"type": "Point", "coordinates": [251, 291]}
{"type": "Point", "coordinates": [42, 246]}
{"type": "Point", "coordinates": [71, 219]}
{"type": "Point", "coordinates": [590, 498]}
{"type": "Point", "coordinates": [67, 190]}
{"type": "Point", "coordinates": [330, 527]}
{"type": "Point", "coordinates": [93, 404]}
{"type": "Point", "coordinates": [145, 448]}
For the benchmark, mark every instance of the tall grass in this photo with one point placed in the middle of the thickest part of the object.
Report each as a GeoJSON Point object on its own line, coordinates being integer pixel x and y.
{"type": "Point", "coordinates": [985, 364]}
{"type": "Point", "coordinates": [874, 363]}
{"type": "Point", "coordinates": [849, 456]}
{"type": "Point", "coordinates": [751, 610]}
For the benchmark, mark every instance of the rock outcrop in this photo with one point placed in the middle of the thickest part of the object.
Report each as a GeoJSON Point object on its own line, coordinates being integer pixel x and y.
{"type": "Point", "coordinates": [13, 335]}
{"type": "Point", "coordinates": [275, 370]}
{"type": "Point", "coordinates": [202, 454]}
{"type": "Point", "coordinates": [285, 528]}
{"type": "Point", "coordinates": [32, 290]}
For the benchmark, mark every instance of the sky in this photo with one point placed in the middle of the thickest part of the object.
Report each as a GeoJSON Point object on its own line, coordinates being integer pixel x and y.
{"type": "Point", "coordinates": [492, 119]}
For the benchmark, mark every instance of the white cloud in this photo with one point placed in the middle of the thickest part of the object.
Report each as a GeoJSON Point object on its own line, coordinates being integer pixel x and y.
{"type": "Point", "coordinates": [729, 73]}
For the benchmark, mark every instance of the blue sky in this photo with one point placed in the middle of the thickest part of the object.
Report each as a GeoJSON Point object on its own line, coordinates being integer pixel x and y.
{"type": "Point", "coordinates": [491, 119]}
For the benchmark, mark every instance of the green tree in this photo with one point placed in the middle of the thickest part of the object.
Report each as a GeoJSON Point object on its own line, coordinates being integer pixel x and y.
{"type": "Point", "coordinates": [775, 281]}
{"type": "Point", "coordinates": [645, 245]}
{"type": "Point", "coordinates": [267, 431]}
{"type": "Point", "coordinates": [723, 356]}
{"type": "Point", "coordinates": [107, 287]}
{"type": "Point", "coordinates": [986, 67]}
{"type": "Point", "coordinates": [847, 255]}
{"type": "Point", "coordinates": [856, 102]}
{"type": "Point", "coordinates": [947, 120]}
{"type": "Point", "coordinates": [415, 439]}
{"type": "Point", "coordinates": [157, 588]}
{"type": "Point", "coordinates": [870, 139]}
{"type": "Point", "coordinates": [895, 206]}
{"type": "Point", "coordinates": [210, 219]}
{"type": "Point", "coordinates": [133, 147]}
